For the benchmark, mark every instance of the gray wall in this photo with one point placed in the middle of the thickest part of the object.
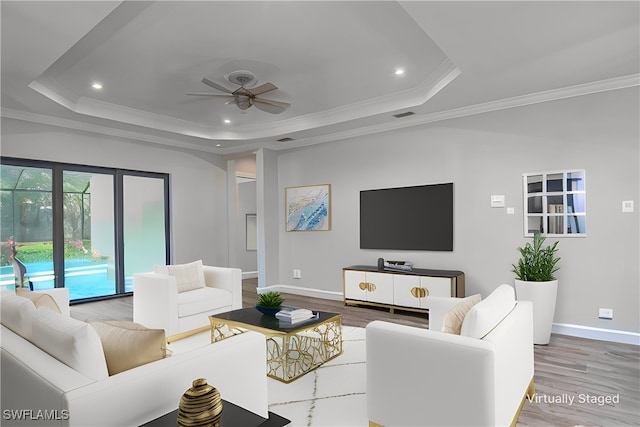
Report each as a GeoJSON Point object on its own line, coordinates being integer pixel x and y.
{"type": "Point", "coordinates": [483, 155]}
{"type": "Point", "coordinates": [198, 184]}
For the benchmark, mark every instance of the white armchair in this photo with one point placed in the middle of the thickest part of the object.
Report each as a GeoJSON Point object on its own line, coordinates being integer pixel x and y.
{"type": "Point", "coordinates": [418, 377]}
{"type": "Point", "coordinates": [162, 300]}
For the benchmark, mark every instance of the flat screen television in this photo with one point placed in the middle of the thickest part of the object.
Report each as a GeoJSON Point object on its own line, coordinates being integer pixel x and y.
{"type": "Point", "coordinates": [407, 218]}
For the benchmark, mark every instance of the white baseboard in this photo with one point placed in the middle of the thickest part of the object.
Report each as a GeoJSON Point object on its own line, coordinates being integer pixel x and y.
{"type": "Point", "coordinates": [557, 328]}
{"type": "Point", "coordinates": [308, 292]}
{"type": "Point", "coordinates": [249, 275]}
{"type": "Point", "coordinates": [596, 333]}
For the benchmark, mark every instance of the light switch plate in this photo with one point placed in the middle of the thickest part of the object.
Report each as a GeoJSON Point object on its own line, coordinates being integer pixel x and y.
{"type": "Point", "coordinates": [627, 206]}
{"type": "Point", "coordinates": [497, 201]}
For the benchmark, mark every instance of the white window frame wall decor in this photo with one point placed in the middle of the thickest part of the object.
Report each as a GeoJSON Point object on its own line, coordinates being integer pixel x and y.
{"type": "Point", "coordinates": [555, 203]}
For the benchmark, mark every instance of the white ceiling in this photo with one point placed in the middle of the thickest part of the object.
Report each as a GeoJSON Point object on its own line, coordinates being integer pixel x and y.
{"type": "Point", "coordinates": [334, 62]}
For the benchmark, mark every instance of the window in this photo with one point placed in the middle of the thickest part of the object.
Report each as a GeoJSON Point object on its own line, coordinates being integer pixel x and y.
{"type": "Point", "coordinates": [555, 203]}
{"type": "Point", "coordinates": [84, 228]}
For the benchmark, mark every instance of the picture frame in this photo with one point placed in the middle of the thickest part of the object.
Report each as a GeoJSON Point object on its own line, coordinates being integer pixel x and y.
{"type": "Point", "coordinates": [308, 208]}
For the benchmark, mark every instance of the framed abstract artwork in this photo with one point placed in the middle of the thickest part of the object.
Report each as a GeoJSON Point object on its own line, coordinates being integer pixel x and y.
{"type": "Point", "coordinates": [308, 208]}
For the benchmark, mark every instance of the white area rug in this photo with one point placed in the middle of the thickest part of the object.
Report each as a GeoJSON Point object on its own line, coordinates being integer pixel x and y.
{"type": "Point", "coordinates": [332, 395]}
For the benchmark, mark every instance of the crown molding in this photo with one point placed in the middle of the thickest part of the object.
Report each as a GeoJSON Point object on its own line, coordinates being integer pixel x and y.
{"type": "Point", "coordinates": [101, 130]}
{"type": "Point", "coordinates": [519, 101]}
{"type": "Point", "coordinates": [502, 104]}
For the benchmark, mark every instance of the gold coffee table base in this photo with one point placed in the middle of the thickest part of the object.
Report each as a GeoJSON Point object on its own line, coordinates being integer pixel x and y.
{"type": "Point", "coordinates": [290, 353]}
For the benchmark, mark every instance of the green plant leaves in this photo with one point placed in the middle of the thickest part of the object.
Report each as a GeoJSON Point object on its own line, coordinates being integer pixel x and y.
{"type": "Point", "coordinates": [270, 299]}
{"type": "Point", "coordinates": [537, 264]}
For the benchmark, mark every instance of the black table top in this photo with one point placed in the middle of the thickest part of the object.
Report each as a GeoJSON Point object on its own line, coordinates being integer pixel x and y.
{"type": "Point", "coordinates": [232, 416]}
{"type": "Point", "coordinates": [251, 316]}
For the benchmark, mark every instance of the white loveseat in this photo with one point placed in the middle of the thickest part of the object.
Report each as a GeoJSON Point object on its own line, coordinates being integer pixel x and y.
{"type": "Point", "coordinates": [419, 377]}
{"type": "Point", "coordinates": [39, 389]}
{"type": "Point", "coordinates": [180, 298]}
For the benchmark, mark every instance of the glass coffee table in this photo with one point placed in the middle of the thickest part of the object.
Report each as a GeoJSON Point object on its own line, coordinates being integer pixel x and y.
{"type": "Point", "coordinates": [292, 351]}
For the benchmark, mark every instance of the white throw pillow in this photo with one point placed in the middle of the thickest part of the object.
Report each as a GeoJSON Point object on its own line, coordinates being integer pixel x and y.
{"type": "Point", "coordinates": [485, 315]}
{"type": "Point", "coordinates": [17, 313]}
{"type": "Point", "coordinates": [188, 276]}
{"type": "Point", "coordinates": [452, 322]}
{"type": "Point", "coordinates": [74, 343]}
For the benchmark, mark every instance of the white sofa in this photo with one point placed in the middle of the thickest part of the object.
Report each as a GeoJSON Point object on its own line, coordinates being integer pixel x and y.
{"type": "Point", "coordinates": [38, 389]}
{"type": "Point", "coordinates": [160, 301]}
{"type": "Point", "coordinates": [419, 377]}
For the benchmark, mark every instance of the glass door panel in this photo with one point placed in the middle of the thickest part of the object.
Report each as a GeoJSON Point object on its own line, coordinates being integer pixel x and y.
{"type": "Point", "coordinates": [144, 222]}
{"type": "Point", "coordinates": [89, 234]}
{"type": "Point", "coordinates": [26, 233]}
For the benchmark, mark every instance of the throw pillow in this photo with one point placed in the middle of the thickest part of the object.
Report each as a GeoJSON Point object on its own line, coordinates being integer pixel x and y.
{"type": "Point", "coordinates": [39, 299]}
{"type": "Point", "coordinates": [488, 313]}
{"type": "Point", "coordinates": [452, 322]}
{"type": "Point", "coordinates": [71, 341]}
{"type": "Point", "coordinates": [127, 344]}
{"type": "Point", "coordinates": [17, 313]}
{"type": "Point", "coordinates": [188, 276]}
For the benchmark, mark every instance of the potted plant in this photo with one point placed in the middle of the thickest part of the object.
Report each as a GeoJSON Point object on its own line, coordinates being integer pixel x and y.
{"type": "Point", "coordinates": [535, 281]}
{"type": "Point", "coordinates": [269, 302]}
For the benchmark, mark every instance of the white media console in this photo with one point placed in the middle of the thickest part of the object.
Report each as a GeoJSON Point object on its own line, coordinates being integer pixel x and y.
{"type": "Point", "coordinates": [402, 290]}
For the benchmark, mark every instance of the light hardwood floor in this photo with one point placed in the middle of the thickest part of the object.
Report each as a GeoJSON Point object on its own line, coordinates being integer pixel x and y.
{"type": "Point", "coordinates": [578, 381]}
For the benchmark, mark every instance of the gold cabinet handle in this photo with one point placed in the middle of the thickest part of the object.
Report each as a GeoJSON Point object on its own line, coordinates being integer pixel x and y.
{"type": "Point", "coordinates": [372, 287]}
{"type": "Point", "coordinates": [363, 286]}
{"type": "Point", "coordinates": [419, 292]}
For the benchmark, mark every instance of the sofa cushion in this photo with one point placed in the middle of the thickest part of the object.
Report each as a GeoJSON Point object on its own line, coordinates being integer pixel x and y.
{"type": "Point", "coordinates": [39, 299]}
{"type": "Point", "coordinates": [202, 300]}
{"type": "Point", "coordinates": [128, 344]}
{"type": "Point", "coordinates": [17, 313]}
{"type": "Point", "coordinates": [188, 276]}
{"type": "Point", "coordinates": [71, 341]}
{"type": "Point", "coordinates": [452, 322]}
{"type": "Point", "coordinates": [485, 315]}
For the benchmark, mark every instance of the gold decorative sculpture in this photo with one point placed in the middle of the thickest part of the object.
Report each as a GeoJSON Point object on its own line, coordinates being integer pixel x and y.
{"type": "Point", "coordinates": [201, 405]}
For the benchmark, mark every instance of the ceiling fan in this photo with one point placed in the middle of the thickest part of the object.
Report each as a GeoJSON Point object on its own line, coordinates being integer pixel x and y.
{"type": "Point", "coordinates": [245, 97]}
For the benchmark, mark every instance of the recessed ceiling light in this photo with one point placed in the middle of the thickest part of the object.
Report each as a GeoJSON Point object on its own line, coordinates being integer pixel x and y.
{"type": "Point", "coordinates": [399, 71]}
{"type": "Point", "coordinates": [218, 145]}
{"type": "Point", "coordinates": [227, 121]}
{"type": "Point", "coordinates": [96, 85]}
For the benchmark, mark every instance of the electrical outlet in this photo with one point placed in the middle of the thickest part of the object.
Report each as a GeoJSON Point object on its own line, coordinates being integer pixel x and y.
{"type": "Point", "coordinates": [297, 274]}
{"type": "Point", "coordinates": [605, 313]}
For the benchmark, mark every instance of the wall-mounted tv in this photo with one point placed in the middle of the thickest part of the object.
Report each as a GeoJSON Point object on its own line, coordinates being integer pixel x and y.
{"type": "Point", "coordinates": [407, 218]}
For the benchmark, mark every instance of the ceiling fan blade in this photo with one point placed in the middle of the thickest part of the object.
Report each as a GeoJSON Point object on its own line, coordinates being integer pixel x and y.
{"type": "Point", "coordinates": [242, 91]}
{"type": "Point", "coordinates": [266, 87]}
{"type": "Point", "coordinates": [215, 85]}
{"type": "Point", "coordinates": [269, 106]}
{"type": "Point", "coordinates": [210, 94]}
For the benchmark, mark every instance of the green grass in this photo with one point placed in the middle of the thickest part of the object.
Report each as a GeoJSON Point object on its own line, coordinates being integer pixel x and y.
{"type": "Point", "coordinates": [43, 252]}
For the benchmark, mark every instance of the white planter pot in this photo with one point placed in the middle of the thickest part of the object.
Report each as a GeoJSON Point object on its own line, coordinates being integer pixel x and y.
{"type": "Point", "coordinates": [543, 297]}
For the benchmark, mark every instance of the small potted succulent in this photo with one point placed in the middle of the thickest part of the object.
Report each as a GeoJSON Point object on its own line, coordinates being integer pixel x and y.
{"type": "Point", "coordinates": [269, 302]}
{"type": "Point", "coordinates": [535, 281]}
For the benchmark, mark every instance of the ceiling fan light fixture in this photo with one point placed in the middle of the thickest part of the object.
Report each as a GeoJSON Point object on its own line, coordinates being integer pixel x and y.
{"type": "Point", "coordinates": [242, 78]}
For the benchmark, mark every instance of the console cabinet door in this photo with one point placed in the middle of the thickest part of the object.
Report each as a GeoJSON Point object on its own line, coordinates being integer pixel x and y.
{"type": "Point", "coordinates": [436, 286]}
{"type": "Point", "coordinates": [404, 293]}
{"type": "Point", "coordinates": [352, 285]}
{"type": "Point", "coordinates": [380, 287]}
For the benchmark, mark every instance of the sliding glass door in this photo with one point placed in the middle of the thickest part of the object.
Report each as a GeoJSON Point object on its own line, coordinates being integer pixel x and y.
{"type": "Point", "coordinates": [88, 229]}
{"type": "Point", "coordinates": [89, 233]}
{"type": "Point", "coordinates": [144, 224]}
{"type": "Point", "coordinates": [26, 218]}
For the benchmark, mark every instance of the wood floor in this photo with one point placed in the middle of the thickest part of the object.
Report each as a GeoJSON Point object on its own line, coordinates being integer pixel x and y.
{"type": "Point", "coordinates": [579, 382]}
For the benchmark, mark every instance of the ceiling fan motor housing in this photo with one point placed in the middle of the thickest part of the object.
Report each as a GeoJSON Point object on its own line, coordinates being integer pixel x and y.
{"type": "Point", "coordinates": [242, 78]}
